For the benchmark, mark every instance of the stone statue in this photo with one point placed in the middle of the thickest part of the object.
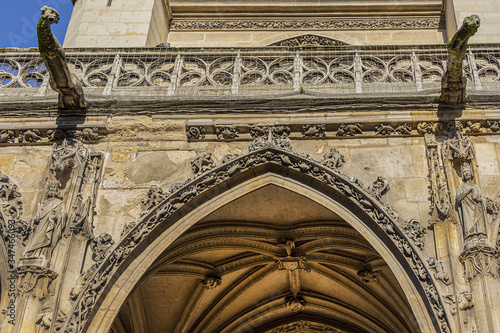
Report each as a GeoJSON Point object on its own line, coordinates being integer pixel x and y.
{"type": "Point", "coordinates": [454, 83]}
{"type": "Point", "coordinates": [470, 207]}
{"type": "Point", "coordinates": [61, 80]}
{"type": "Point", "coordinates": [47, 225]}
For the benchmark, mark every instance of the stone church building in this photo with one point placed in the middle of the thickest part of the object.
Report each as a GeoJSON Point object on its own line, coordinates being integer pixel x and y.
{"type": "Point", "coordinates": [267, 166]}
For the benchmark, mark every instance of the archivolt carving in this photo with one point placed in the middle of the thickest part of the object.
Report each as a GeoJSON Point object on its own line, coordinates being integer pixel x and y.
{"type": "Point", "coordinates": [272, 156]}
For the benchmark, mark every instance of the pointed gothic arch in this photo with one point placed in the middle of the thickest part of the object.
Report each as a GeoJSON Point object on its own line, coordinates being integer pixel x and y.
{"type": "Point", "coordinates": [109, 283]}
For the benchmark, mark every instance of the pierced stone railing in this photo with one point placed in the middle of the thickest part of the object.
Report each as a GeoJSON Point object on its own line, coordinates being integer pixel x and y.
{"type": "Point", "coordinates": [161, 72]}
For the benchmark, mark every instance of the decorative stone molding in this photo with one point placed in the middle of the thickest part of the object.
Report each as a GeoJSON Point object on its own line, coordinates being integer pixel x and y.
{"type": "Point", "coordinates": [226, 132]}
{"type": "Point", "coordinates": [333, 160]}
{"type": "Point", "coordinates": [478, 261]}
{"type": "Point", "coordinates": [100, 246]}
{"type": "Point", "coordinates": [202, 163]}
{"type": "Point", "coordinates": [196, 132]}
{"type": "Point", "coordinates": [50, 135]}
{"type": "Point", "coordinates": [410, 23]}
{"type": "Point", "coordinates": [440, 194]}
{"type": "Point", "coordinates": [366, 200]}
{"type": "Point", "coordinates": [308, 40]}
{"type": "Point", "coordinates": [349, 129]}
{"type": "Point", "coordinates": [12, 227]}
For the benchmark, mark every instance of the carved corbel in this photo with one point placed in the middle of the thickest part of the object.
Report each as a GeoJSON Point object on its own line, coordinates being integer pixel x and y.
{"type": "Point", "coordinates": [478, 261]}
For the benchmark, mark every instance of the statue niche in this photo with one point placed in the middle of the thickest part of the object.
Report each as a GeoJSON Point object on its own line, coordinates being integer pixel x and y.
{"type": "Point", "coordinates": [47, 226]}
{"type": "Point", "coordinates": [471, 208]}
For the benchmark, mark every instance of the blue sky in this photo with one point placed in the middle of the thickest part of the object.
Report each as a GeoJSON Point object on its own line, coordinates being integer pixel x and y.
{"type": "Point", "coordinates": [18, 23]}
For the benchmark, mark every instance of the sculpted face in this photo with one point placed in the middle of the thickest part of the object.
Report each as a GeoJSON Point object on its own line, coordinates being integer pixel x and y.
{"type": "Point", "coordinates": [50, 14]}
{"type": "Point", "coordinates": [466, 175]}
{"type": "Point", "coordinates": [472, 23]}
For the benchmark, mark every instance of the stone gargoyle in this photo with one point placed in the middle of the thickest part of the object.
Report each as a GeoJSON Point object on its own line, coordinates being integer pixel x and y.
{"type": "Point", "coordinates": [454, 83]}
{"type": "Point", "coordinates": [61, 80]}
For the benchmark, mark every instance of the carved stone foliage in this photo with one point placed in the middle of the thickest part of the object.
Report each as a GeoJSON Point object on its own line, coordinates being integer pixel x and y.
{"type": "Point", "coordinates": [45, 319]}
{"type": "Point", "coordinates": [306, 25]}
{"type": "Point", "coordinates": [479, 260]}
{"type": "Point", "coordinates": [366, 200]}
{"type": "Point", "coordinates": [305, 326]}
{"type": "Point", "coordinates": [415, 232]}
{"type": "Point", "coordinates": [12, 227]}
{"type": "Point", "coordinates": [211, 282]}
{"type": "Point", "coordinates": [196, 132]}
{"type": "Point", "coordinates": [492, 126]}
{"type": "Point", "coordinates": [308, 40]}
{"type": "Point", "coordinates": [379, 187]}
{"type": "Point", "coordinates": [35, 281]}
{"type": "Point", "coordinates": [438, 271]}
{"type": "Point", "coordinates": [333, 160]}
{"type": "Point", "coordinates": [317, 130]}
{"type": "Point", "coordinates": [202, 163]}
{"type": "Point", "coordinates": [100, 246]}
{"type": "Point", "coordinates": [226, 132]}
{"type": "Point", "coordinates": [349, 129]}
{"type": "Point", "coordinates": [67, 155]}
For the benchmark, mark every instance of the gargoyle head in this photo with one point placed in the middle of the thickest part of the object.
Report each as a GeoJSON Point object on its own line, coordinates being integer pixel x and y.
{"type": "Point", "coordinates": [471, 24]}
{"type": "Point", "coordinates": [50, 14]}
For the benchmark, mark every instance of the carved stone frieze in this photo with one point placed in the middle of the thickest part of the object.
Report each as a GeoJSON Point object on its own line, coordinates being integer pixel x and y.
{"type": "Point", "coordinates": [367, 200]}
{"type": "Point", "coordinates": [415, 232]}
{"type": "Point", "coordinates": [437, 269]}
{"type": "Point", "coordinates": [384, 129]}
{"type": "Point", "coordinates": [349, 129]}
{"type": "Point", "coordinates": [403, 129]}
{"type": "Point", "coordinates": [473, 127]}
{"type": "Point", "coordinates": [226, 132]}
{"type": "Point", "coordinates": [270, 137]}
{"type": "Point", "coordinates": [35, 281]}
{"type": "Point", "coordinates": [48, 136]}
{"type": "Point", "coordinates": [295, 304]}
{"type": "Point", "coordinates": [31, 136]}
{"type": "Point", "coordinates": [7, 136]}
{"type": "Point", "coordinates": [429, 128]}
{"type": "Point", "coordinates": [411, 23]}
{"type": "Point", "coordinates": [492, 126]}
{"type": "Point", "coordinates": [196, 132]}
{"type": "Point", "coordinates": [211, 282]}
{"type": "Point", "coordinates": [317, 130]}
{"type": "Point", "coordinates": [479, 260]}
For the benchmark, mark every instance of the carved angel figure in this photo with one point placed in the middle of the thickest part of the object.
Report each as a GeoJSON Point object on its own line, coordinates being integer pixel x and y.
{"type": "Point", "coordinates": [47, 225]}
{"type": "Point", "coordinates": [470, 207]}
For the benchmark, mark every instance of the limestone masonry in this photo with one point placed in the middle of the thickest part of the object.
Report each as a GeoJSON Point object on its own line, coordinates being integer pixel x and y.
{"type": "Point", "coordinates": [253, 166]}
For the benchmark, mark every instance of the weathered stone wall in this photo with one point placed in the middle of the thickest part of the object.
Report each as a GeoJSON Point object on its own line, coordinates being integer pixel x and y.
{"type": "Point", "coordinates": [487, 10]}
